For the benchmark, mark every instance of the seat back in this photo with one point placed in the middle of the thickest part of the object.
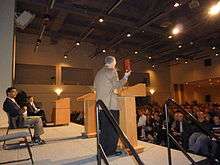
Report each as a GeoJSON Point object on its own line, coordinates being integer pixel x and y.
{"type": "Point", "coordinates": [12, 122]}
{"type": "Point", "coordinates": [15, 122]}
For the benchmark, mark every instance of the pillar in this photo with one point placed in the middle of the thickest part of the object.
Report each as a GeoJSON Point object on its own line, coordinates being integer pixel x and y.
{"type": "Point", "coordinates": [179, 93]}
{"type": "Point", "coordinates": [58, 75]}
{"type": "Point", "coordinates": [6, 52]}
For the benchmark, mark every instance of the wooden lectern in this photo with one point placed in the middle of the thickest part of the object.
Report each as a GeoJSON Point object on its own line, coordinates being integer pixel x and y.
{"type": "Point", "coordinates": [89, 114]}
{"type": "Point", "coordinates": [62, 111]}
{"type": "Point", "coordinates": [127, 106]}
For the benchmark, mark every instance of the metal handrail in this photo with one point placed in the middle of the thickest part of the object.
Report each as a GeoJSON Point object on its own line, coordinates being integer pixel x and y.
{"type": "Point", "coordinates": [193, 119]}
{"type": "Point", "coordinates": [170, 137]}
{"type": "Point", "coordinates": [122, 136]}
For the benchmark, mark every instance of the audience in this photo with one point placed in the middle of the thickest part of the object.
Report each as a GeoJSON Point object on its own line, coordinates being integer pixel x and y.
{"type": "Point", "coordinates": [184, 131]}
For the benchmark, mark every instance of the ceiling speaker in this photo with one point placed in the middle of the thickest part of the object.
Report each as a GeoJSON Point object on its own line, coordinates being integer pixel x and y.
{"type": "Point", "coordinates": [194, 4]}
{"type": "Point", "coordinates": [24, 19]}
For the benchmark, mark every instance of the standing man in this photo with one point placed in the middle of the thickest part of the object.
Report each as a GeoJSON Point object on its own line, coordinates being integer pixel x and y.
{"type": "Point", "coordinates": [106, 84]}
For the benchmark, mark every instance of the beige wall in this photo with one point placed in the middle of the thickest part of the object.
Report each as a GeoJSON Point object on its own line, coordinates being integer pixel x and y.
{"type": "Point", "coordinates": [159, 80]}
{"type": "Point", "coordinates": [53, 55]}
{"type": "Point", "coordinates": [195, 71]}
{"type": "Point", "coordinates": [199, 93]}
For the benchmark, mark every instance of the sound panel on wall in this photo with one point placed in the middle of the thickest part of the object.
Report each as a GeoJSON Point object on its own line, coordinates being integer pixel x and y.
{"type": "Point", "coordinates": [208, 98]}
{"type": "Point", "coordinates": [77, 76]}
{"type": "Point", "coordinates": [208, 62]}
{"type": "Point", "coordinates": [136, 78]}
{"type": "Point", "coordinates": [34, 74]}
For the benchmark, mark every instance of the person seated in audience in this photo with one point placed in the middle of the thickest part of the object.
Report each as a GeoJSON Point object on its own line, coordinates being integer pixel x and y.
{"type": "Point", "coordinates": [177, 126]}
{"type": "Point", "coordinates": [13, 110]}
{"type": "Point", "coordinates": [198, 141]}
{"type": "Point", "coordinates": [179, 129]}
{"type": "Point", "coordinates": [141, 123]}
{"type": "Point", "coordinates": [32, 110]}
{"type": "Point", "coordinates": [157, 128]}
{"type": "Point", "coordinates": [149, 129]}
{"type": "Point", "coordinates": [215, 144]}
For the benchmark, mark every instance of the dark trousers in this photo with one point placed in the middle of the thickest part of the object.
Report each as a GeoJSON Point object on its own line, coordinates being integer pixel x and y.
{"type": "Point", "coordinates": [108, 135]}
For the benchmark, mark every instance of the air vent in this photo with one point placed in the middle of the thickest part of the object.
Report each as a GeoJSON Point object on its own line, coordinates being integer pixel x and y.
{"type": "Point", "coordinates": [208, 62]}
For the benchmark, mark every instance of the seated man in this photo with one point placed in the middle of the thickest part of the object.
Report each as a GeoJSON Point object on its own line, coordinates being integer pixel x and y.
{"type": "Point", "coordinates": [142, 123]}
{"type": "Point", "coordinates": [13, 110]}
{"type": "Point", "coordinates": [157, 128]}
{"type": "Point", "coordinates": [32, 110]}
{"type": "Point", "coordinates": [198, 141]}
{"type": "Point", "coordinates": [215, 150]}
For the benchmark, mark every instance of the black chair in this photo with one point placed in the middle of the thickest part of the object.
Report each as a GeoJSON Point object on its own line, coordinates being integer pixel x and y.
{"type": "Point", "coordinates": [18, 135]}
{"type": "Point", "coordinates": [15, 123]}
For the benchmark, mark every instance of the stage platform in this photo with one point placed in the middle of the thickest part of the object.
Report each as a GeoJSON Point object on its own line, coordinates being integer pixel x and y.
{"type": "Point", "coordinates": [66, 146]}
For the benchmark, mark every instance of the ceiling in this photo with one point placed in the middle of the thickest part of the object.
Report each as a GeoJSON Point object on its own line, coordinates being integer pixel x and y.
{"type": "Point", "coordinates": [148, 22]}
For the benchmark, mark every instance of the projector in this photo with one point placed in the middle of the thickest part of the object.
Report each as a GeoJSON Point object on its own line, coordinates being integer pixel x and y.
{"type": "Point", "coordinates": [24, 19]}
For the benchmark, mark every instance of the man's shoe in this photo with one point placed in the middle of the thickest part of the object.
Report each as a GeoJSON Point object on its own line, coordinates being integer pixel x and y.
{"type": "Point", "coordinates": [39, 141]}
{"type": "Point", "coordinates": [117, 153]}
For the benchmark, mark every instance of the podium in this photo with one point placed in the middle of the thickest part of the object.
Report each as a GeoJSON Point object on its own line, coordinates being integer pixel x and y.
{"type": "Point", "coordinates": [127, 106]}
{"type": "Point", "coordinates": [89, 114]}
{"type": "Point", "coordinates": [61, 112]}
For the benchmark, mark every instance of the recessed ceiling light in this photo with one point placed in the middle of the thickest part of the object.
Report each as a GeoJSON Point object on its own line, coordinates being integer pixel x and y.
{"type": "Point", "coordinates": [101, 20]}
{"type": "Point", "coordinates": [77, 43]}
{"type": "Point", "coordinates": [213, 47]}
{"type": "Point", "coordinates": [103, 50]}
{"type": "Point", "coordinates": [180, 46]}
{"type": "Point", "coordinates": [216, 54]}
{"type": "Point", "coordinates": [186, 62]}
{"type": "Point", "coordinates": [149, 57]}
{"type": "Point", "coordinates": [136, 52]}
{"type": "Point", "coordinates": [128, 35]}
{"type": "Point", "coordinates": [176, 4]}
{"type": "Point", "coordinates": [177, 58]}
{"type": "Point", "coordinates": [65, 56]}
{"type": "Point", "coordinates": [153, 66]}
{"type": "Point", "coordinates": [170, 37]}
{"type": "Point", "coordinates": [177, 29]}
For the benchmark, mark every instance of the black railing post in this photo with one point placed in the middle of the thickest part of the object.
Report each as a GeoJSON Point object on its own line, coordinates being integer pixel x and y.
{"type": "Point", "coordinates": [97, 137]}
{"type": "Point", "coordinates": [167, 135]}
{"type": "Point", "coordinates": [100, 152]}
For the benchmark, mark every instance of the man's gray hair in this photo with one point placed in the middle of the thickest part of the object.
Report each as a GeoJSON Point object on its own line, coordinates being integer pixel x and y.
{"type": "Point", "coordinates": [109, 59]}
